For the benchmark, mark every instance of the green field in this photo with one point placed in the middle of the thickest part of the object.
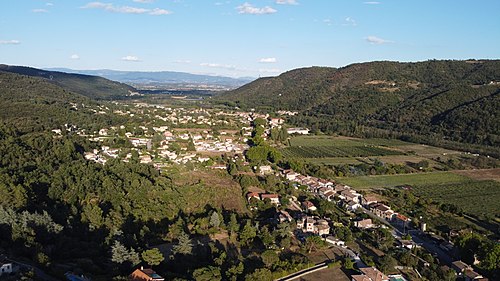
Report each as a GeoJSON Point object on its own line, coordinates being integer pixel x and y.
{"type": "Point", "coordinates": [436, 178]}
{"type": "Point", "coordinates": [334, 160]}
{"type": "Point", "coordinates": [343, 141]}
{"type": "Point", "coordinates": [336, 151]}
{"type": "Point", "coordinates": [476, 198]}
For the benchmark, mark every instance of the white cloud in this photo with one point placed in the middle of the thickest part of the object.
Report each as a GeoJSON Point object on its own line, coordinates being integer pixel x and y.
{"type": "Point", "coordinates": [218, 65]}
{"type": "Point", "coordinates": [49, 4]}
{"type": "Point", "coordinates": [287, 2]}
{"type": "Point", "coordinates": [269, 70]}
{"type": "Point", "coordinates": [349, 22]}
{"type": "Point", "coordinates": [248, 8]}
{"type": "Point", "coordinates": [159, 12]}
{"type": "Point", "coordinates": [40, 11]}
{"type": "Point", "coordinates": [9, 42]}
{"type": "Point", "coordinates": [182, 61]}
{"type": "Point", "coordinates": [75, 57]}
{"type": "Point", "coordinates": [131, 58]}
{"type": "Point", "coordinates": [328, 21]}
{"type": "Point", "coordinates": [143, 1]}
{"type": "Point", "coordinates": [268, 60]}
{"type": "Point", "coordinates": [125, 9]}
{"type": "Point", "coordinates": [376, 40]}
{"type": "Point", "coordinates": [371, 2]}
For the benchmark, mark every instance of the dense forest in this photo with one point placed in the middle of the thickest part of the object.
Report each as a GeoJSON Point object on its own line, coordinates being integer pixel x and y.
{"type": "Point", "coordinates": [438, 102]}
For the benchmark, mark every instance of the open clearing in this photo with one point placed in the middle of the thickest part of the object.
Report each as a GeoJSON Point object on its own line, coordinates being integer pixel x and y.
{"type": "Point", "coordinates": [426, 150]}
{"type": "Point", "coordinates": [485, 174]}
{"type": "Point", "coordinates": [366, 182]}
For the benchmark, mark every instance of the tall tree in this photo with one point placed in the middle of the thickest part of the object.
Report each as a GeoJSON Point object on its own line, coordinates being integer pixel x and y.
{"type": "Point", "coordinates": [152, 256]}
{"type": "Point", "coordinates": [184, 246]}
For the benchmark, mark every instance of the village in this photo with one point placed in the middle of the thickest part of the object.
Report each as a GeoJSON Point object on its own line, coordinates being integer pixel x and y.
{"type": "Point", "coordinates": [198, 136]}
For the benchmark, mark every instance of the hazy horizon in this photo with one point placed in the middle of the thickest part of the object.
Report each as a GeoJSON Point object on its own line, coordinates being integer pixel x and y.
{"type": "Point", "coordinates": [242, 38]}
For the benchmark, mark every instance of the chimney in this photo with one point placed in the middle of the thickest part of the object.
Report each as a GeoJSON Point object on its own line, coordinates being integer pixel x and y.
{"type": "Point", "coordinates": [142, 267]}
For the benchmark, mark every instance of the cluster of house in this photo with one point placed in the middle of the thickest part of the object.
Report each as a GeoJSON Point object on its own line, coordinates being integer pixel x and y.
{"type": "Point", "coordinates": [225, 145]}
{"type": "Point", "coordinates": [314, 225]}
{"type": "Point", "coordinates": [466, 272]}
{"type": "Point", "coordinates": [328, 190]}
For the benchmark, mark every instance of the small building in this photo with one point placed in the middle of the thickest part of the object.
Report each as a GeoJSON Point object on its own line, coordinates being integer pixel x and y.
{"type": "Point", "coordinates": [284, 216]}
{"type": "Point", "coordinates": [299, 131]}
{"type": "Point", "coordinates": [334, 241]}
{"type": "Point", "coordinates": [460, 267]}
{"type": "Point", "coordinates": [251, 195]}
{"type": "Point", "coordinates": [364, 224]}
{"type": "Point", "coordinates": [352, 206]}
{"type": "Point", "coordinates": [321, 229]}
{"type": "Point", "coordinates": [471, 275]}
{"type": "Point", "coordinates": [308, 205]}
{"type": "Point", "coordinates": [265, 170]}
{"type": "Point", "coordinates": [274, 198]}
{"type": "Point", "coordinates": [5, 266]}
{"type": "Point", "coordinates": [370, 274]}
{"type": "Point", "coordinates": [145, 274]}
{"type": "Point", "coordinates": [368, 199]}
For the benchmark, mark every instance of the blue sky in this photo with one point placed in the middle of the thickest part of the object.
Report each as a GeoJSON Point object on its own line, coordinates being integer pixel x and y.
{"type": "Point", "coordinates": [243, 38]}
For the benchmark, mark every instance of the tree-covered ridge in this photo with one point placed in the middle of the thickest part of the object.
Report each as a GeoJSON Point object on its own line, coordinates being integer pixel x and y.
{"type": "Point", "coordinates": [91, 86]}
{"type": "Point", "coordinates": [454, 100]}
{"type": "Point", "coordinates": [33, 104]}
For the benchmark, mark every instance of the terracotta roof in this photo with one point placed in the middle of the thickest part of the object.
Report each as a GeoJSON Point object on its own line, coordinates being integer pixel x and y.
{"type": "Point", "coordinates": [145, 274]}
{"type": "Point", "coordinates": [360, 278]}
{"type": "Point", "coordinates": [269, 196]}
{"type": "Point", "coordinates": [252, 194]}
{"type": "Point", "coordinates": [402, 217]}
{"type": "Point", "coordinates": [374, 274]}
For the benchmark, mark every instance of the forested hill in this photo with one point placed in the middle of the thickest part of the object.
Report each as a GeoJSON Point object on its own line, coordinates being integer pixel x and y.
{"type": "Point", "coordinates": [450, 100]}
{"type": "Point", "coordinates": [32, 104]}
{"type": "Point", "coordinates": [91, 86]}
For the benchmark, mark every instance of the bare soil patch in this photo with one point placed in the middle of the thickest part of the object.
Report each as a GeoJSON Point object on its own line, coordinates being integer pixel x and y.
{"type": "Point", "coordinates": [485, 174]}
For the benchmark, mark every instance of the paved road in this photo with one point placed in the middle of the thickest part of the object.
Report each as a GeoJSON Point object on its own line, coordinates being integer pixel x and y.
{"type": "Point", "coordinates": [418, 237]}
{"type": "Point", "coordinates": [431, 246]}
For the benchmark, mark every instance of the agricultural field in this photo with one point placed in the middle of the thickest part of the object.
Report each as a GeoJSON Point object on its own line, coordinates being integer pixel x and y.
{"type": "Point", "coordinates": [335, 151]}
{"type": "Point", "coordinates": [477, 198]}
{"type": "Point", "coordinates": [343, 141]}
{"type": "Point", "coordinates": [436, 178]}
{"type": "Point", "coordinates": [335, 160]}
{"type": "Point", "coordinates": [426, 150]}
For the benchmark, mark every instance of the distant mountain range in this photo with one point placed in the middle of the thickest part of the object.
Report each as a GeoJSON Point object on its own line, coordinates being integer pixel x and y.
{"type": "Point", "coordinates": [87, 85]}
{"type": "Point", "coordinates": [164, 78]}
{"type": "Point", "coordinates": [438, 100]}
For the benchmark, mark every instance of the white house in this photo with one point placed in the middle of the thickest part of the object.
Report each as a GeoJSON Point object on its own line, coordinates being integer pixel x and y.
{"type": "Point", "coordinates": [334, 241]}
{"type": "Point", "coordinates": [300, 131]}
{"type": "Point", "coordinates": [5, 266]}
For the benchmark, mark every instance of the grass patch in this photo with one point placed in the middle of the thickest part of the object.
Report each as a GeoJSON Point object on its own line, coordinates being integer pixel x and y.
{"type": "Point", "coordinates": [437, 178]}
